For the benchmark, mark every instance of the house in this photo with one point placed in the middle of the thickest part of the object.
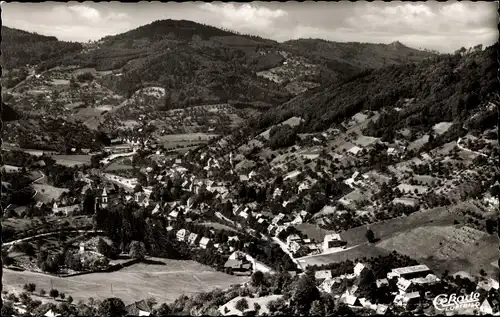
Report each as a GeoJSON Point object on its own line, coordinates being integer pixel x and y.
{"type": "Point", "coordinates": [409, 272]}
{"type": "Point", "coordinates": [206, 243]}
{"type": "Point", "coordinates": [278, 218]}
{"type": "Point", "coordinates": [323, 275]}
{"type": "Point", "coordinates": [237, 265]}
{"type": "Point", "coordinates": [192, 238]}
{"type": "Point", "coordinates": [173, 214]}
{"type": "Point", "coordinates": [326, 285]}
{"type": "Point", "coordinates": [293, 237]}
{"type": "Point", "coordinates": [381, 282]}
{"type": "Point", "coordinates": [156, 209]}
{"type": "Point", "coordinates": [55, 209]}
{"type": "Point", "coordinates": [358, 268]}
{"type": "Point", "coordinates": [355, 150]}
{"type": "Point", "coordinates": [485, 308]}
{"type": "Point", "coordinates": [294, 247]}
{"type": "Point", "coordinates": [350, 300]}
{"type": "Point", "coordinates": [381, 309]}
{"type": "Point", "coordinates": [182, 235]}
{"type": "Point", "coordinates": [50, 313]}
{"type": "Point", "coordinates": [403, 300]}
{"type": "Point", "coordinates": [332, 240]}
{"type": "Point", "coordinates": [140, 308]}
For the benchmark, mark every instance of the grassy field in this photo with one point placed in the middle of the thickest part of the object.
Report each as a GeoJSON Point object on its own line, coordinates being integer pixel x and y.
{"type": "Point", "coordinates": [447, 248]}
{"type": "Point", "coordinates": [386, 229]}
{"type": "Point", "coordinates": [21, 224]}
{"type": "Point", "coordinates": [120, 164]}
{"type": "Point", "coordinates": [47, 192]}
{"type": "Point", "coordinates": [72, 160]}
{"type": "Point", "coordinates": [165, 282]}
{"type": "Point", "coordinates": [313, 232]}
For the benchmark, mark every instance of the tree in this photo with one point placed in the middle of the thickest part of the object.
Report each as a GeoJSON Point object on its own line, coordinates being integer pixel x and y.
{"type": "Point", "coordinates": [69, 299]}
{"type": "Point", "coordinates": [137, 250]}
{"type": "Point", "coordinates": [370, 236]}
{"type": "Point", "coordinates": [305, 293]}
{"type": "Point", "coordinates": [112, 307]}
{"type": "Point", "coordinates": [241, 305]}
{"type": "Point", "coordinates": [256, 307]}
{"type": "Point", "coordinates": [8, 309]}
{"type": "Point", "coordinates": [54, 293]}
{"type": "Point", "coordinates": [257, 278]}
{"type": "Point", "coordinates": [62, 296]}
{"type": "Point", "coordinates": [30, 287]}
{"type": "Point", "coordinates": [151, 302]}
{"type": "Point", "coordinates": [43, 292]}
{"type": "Point", "coordinates": [163, 311]}
{"type": "Point", "coordinates": [317, 309]}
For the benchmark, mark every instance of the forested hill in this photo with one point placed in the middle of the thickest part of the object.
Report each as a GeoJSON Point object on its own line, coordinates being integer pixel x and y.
{"type": "Point", "coordinates": [216, 65]}
{"type": "Point", "coordinates": [175, 29]}
{"type": "Point", "coordinates": [20, 48]}
{"type": "Point", "coordinates": [451, 87]}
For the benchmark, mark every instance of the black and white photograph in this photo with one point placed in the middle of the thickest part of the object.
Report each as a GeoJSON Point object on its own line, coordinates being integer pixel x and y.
{"type": "Point", "coordinates": [250, 158]}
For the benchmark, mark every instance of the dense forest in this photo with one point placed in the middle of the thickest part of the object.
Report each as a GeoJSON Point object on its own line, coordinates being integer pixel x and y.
{"type": "Point", "coordinates": [20, 48]}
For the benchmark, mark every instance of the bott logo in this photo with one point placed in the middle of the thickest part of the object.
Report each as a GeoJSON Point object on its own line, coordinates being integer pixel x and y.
{"type": "Point", "coordinates": [444, 302]}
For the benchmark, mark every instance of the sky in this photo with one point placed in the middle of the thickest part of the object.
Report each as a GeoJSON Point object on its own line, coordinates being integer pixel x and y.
{"type": "Point", "coordinates": [442, 26]}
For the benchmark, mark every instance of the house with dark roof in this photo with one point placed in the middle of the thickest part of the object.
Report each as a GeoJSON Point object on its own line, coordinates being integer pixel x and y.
{"type": "Point", "coordinates": [140, 308]}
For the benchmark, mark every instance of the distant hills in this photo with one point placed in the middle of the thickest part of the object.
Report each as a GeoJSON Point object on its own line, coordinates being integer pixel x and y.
{"type": "Point", "coordinates": [200, 64]}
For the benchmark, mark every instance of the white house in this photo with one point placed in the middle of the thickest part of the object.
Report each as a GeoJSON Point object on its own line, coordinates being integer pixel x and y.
{"type": "Point", "coordinates": [182, 234]}
{"type": "Point", "coordinates": [330, 239]}
{"type": "Point", "coordinates": [192, 238]}
{"type": "Point", "coordinates": [485, 308]}
{"type": "Point", "coordinates": [205, 243]}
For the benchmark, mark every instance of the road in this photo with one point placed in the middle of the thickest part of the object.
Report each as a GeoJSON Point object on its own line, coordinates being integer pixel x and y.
{"type": "Point", "coordinates": [36, 180]}
{"type": "Point", "coordinates": [466, 149]}
{"type": "Point", "coordinates": [285, 249]}
{"type": "Point", "coordinates": [49, 234]}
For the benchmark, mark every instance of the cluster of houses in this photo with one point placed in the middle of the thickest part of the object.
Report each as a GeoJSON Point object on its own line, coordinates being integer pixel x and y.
{"type": "Point", "coordinates": [408, 281]}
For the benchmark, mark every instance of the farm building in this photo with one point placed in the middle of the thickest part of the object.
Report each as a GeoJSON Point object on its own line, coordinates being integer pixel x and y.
{"type": "Point", "coordinates": [409, 272]}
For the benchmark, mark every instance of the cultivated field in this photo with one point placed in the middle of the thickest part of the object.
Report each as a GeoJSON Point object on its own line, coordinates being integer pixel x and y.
{"type": "Point", "coordinates": [165, 282]}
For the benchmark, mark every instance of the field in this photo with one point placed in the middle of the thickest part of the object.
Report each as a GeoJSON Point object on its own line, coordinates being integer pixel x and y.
{"type": "Point", "coordinates": [356, 253]}
{"type": "Point", "coordinates": [447, 247]}
{"type": "Point", "coordinates": [218, 226]}
{"type": "Point", "coordinates": [170, 141]}
{"type": "Point", "coordinates": [442, 127]}
{"type": "Point", "coordinates": [120, 164]}
{"type": "Point", "coordinates": [165, 282]}
{"type": "Point", "coordinates": [46, 193]}
{"type": "Point", "coordinates": [20, 224]}
{"type": "Point", "coordinates": [10, 168]}
{"type": "Point", "coordinates": [417, 144]}
{"type": "Point", "coordinates": [313, 232]}
{"type": "Point", "coordinates": [383, 230]}
{"type": "Point", "coordinates": [72, 160]}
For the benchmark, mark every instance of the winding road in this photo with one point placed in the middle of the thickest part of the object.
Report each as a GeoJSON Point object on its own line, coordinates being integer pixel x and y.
{"type": "Point", "coordinates": [467, 150]}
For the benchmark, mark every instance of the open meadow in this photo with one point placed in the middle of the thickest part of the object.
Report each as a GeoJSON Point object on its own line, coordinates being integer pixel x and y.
{"type": "Point", "coordinates": [165, 282]}
{"type": "Point", "coordinates": [72, 160]}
